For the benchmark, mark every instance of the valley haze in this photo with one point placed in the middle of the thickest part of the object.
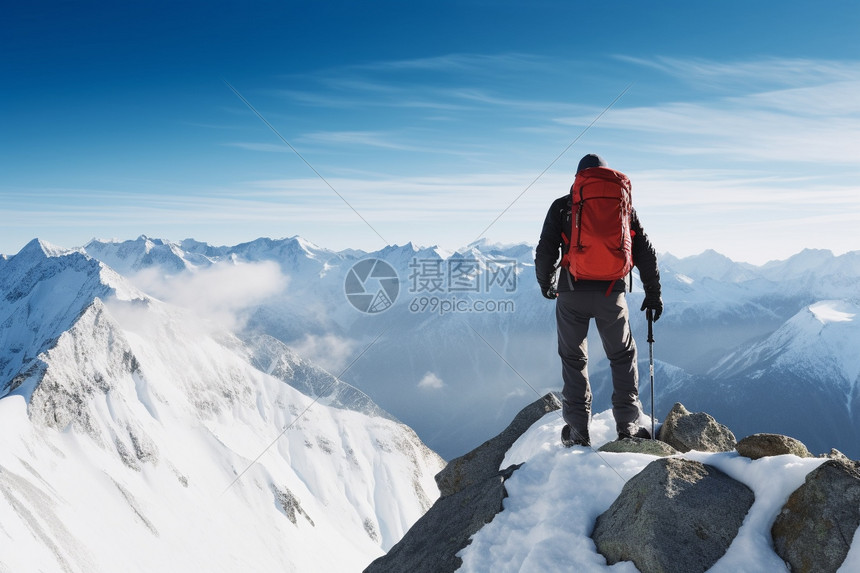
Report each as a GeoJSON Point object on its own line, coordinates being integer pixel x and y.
{"type": "Point", "coordinates": [766, 348]}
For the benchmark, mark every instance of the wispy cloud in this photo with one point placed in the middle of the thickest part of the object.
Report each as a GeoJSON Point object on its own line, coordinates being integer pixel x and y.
{"type": "Point", "coordinates": [721, 190]}
{"type": "Point", "coordinates": [266, 147]}
{"type": "Point", "coordinates": [381, 140]}
{"type": "Point", "coordinates": [775, 110]}
{"type": "Point", "coordinates": [751, 74]}
{"type": "Point", "coordinates": [471, 63]}
{"type": "Point", "coordinates": [747, 215]}
{"type": "Point", "coordinates": [451, 82]}
{"type": "Point", "coordinates": [743, 130]}
{"type": "Point", "coordinates": [330, 351]}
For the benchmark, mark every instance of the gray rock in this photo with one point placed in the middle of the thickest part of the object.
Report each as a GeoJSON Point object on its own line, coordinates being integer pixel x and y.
{"type": "Point", "coordinates": [765, 445]}
{"type": "Point", "coordinates": [484, 461]}
{"type": "Point", "coordinates": [813, 532]}
{"type": "Point", "coordinates": [676, 515]}
{"type": "Point", "coordinates": [700, 431]}
{"type": "Point", "coordinates": [639, 446]}
{"type": "Point", "coordinates": [432, 544]}
{"type": "Point", "coordinates": [836, 455]}
{"type": "Point", "coordinates": [472, 489]}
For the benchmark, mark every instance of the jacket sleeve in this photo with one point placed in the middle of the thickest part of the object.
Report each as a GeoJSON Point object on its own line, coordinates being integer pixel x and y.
{"type": "Point", "coordinates": [548, 251]}
{"type": "Point", "coordinates": [644, 257]}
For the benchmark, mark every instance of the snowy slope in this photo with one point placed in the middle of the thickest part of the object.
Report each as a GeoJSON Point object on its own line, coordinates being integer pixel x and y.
{"type": "Point", "coordinates": [823, 339]}
{"type": "Point", "coordinates": [801, 380]}
{"type": "Point", "coordinates": [556, 496]}
{"type": "Point", "coordinates": [135, 437]}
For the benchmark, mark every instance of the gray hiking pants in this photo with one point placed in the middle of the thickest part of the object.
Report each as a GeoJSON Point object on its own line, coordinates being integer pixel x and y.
{"type": "Point", "coordinates": [573, 312]}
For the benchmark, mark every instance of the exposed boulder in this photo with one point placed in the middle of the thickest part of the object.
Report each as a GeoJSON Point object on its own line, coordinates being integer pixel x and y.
{"type": "Point", "coordinates": [484, 461]}
{"type": "Point", "coordinates": [675, 516]}
{"type": "Point", "coordinates": [815, 528]}
{"type": "Point", "coordinates": [472, 489]}
{"type": "Point", "coordinates": [836, 455]}
{"type": "Point", "coordinates": [432, 543]}
{"type": "Point", "coordinates": [765, 445]}
{"type": "Point", "coordinates": [686, 431]}
{"type": "Point", "coordinates": [639, 446]}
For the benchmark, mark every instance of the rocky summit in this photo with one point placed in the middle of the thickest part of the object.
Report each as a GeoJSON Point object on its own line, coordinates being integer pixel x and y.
{"type": "Point", "coordinates": [676, 515]}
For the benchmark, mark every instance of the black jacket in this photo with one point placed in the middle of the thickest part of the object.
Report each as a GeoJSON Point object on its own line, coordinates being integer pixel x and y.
{"type": "Point", "coordinates": [549, 251]}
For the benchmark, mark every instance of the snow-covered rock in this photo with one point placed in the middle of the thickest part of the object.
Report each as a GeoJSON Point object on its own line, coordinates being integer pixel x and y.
{"type": "Point", "coordinates": [814, 531]}
{"type": "Point", "coordinates": [664, 520]}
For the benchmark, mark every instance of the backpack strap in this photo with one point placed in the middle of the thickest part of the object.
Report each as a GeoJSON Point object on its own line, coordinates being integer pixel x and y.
{"type": "Point", "coordinates": [565, 247]}
{"type": "Point", "coordinates": [579, 207]}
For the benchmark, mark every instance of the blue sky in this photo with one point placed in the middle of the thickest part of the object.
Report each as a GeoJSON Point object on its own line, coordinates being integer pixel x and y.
{"type": "Point", "coordinates": [738, 122]}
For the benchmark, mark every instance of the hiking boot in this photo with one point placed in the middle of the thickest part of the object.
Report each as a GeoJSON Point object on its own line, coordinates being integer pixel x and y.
{"type": "Point", "coordinates": [578, 438]}
{"type": "Point", "coordinates": [641, 433]}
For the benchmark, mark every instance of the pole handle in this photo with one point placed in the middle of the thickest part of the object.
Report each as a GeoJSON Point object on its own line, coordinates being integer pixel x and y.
{"type": "Point", "coordinates": [649, 316]}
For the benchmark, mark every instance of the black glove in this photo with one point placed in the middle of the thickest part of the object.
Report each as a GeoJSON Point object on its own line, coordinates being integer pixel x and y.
{"type": "Point", "coordinates": [549, 292]}
{"type": "Point", "coordinates": [653, 302]}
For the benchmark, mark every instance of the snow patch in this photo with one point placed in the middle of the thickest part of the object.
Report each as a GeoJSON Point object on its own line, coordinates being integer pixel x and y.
{"type": "Point", "coordinates": [828, 311]}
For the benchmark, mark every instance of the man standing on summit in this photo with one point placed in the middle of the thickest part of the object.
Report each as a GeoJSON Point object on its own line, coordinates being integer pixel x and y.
{"type": "Point", "coordinates": [599, 237]}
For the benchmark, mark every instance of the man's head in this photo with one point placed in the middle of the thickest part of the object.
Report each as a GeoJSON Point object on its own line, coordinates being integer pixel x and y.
{"type": "Point", "coordinates": [591, 160]}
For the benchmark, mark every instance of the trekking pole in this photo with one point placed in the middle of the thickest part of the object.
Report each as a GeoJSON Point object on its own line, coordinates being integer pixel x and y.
{"type": "Point", "coordinates": [649, 316]}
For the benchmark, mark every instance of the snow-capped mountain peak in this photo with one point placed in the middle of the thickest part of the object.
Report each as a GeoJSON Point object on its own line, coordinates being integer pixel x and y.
{"type": "Point", "coordinates": [131, 256]}
{"type": "Point", "coordinates": [807, 370]}
{"type": "Point", "coordinates": [40, 246]}
{"type": "Point", "coordinates": [803, 262]}
{"type": "Point", "coordinates": [43, 291]}
{"type": "Point", "coordinates": [709, 265]}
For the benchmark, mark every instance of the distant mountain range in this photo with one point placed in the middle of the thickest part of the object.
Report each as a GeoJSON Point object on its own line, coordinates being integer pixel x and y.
{"type": "Point", "coordinates": [457, 371]}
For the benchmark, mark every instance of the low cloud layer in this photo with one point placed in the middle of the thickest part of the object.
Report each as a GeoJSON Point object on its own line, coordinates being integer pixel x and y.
{"type": "Point", "coordinates": [329, 351]}
{"type": "Point", "coordinates": [222, 293]}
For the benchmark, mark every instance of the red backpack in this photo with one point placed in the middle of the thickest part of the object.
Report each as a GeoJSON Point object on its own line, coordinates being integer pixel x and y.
{"type": "Point", "coordinates": [600, 243]}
